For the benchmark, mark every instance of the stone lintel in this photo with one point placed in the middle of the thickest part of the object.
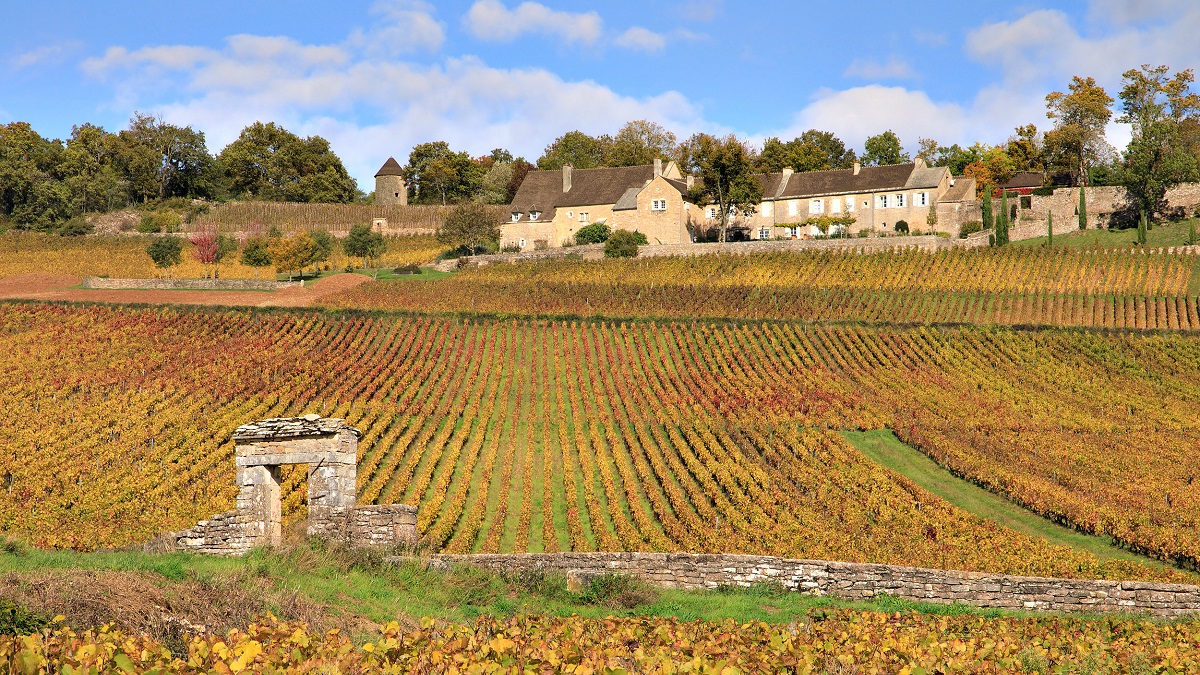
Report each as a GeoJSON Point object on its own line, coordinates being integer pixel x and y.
{"type": "Point", "coordinates": [280, 458]}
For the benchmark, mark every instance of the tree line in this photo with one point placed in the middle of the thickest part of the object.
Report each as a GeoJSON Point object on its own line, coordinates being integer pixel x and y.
{"type": "Point", "coordinates": [46, 182]}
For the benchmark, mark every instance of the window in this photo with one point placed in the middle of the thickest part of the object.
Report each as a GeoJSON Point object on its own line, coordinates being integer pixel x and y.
{"type": "Point", "coordinates": [793, 207]}
{"type": "Point", "coordinates": [764, 233]}
{"type": "Point", "coordinates": [791, 231]}
{"type": "Point", "coordinates": [710, 212]}
{"type": "Point", "coordinates": [516, 216]}
{"type": "Point", "coordinates": [850, 204]}
{"type": "Point", "coordinates": [533, 215]}
{"type": "Point", "coordinates": [816, 206]}
{"type": "Point", "coordinates": [658, 205]}
{"type": "Point", "coordinates": [835, 205]}
{"type": "Point", "coordinates": [766, 209]}
{"type": "Point", "coordinates": [583, 216]}
{"type": "Point", "coordinates": [570, 214]}
{"type": "Point", "coordinates": [522, 244]}
{"type": "Point", "coordinates": [881, 202]}
{"type": "Point", "coordinates": [900, 201]}
{"type": "Point", "coordinates": [921, 199]}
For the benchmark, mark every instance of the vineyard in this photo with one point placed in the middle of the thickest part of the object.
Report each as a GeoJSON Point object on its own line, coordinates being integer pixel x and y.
{"type": "Point", "coordinates": [554, 435]}
{"type": "Point", "coordinates": [1007, 287]}
{"type": "Point", "coordinates": [840, 641]}
{"type": "Point", "coordinates": [125, 257]}
{"type": "Point", "coordinates": [290, 217]}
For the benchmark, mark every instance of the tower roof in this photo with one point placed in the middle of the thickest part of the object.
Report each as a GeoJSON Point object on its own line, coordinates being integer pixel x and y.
{"type": "Point", "coordinates": [390, 168]}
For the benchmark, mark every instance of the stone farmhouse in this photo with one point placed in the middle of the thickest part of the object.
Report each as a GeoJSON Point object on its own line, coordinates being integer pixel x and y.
{"type": "Point", "coordinates": [551, 206]}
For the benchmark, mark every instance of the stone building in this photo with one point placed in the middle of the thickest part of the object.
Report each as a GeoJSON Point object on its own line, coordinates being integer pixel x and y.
{"type": "Point", "coordinates": [330, 449]}
{"type": "Point", "coordinates": [551, 206]}
{"type": "Point", "coordinates": [390, 187]}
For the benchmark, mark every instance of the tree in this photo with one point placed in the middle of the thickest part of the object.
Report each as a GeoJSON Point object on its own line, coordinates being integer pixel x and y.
{"type": "Point", "coordinates": [928, 150]}
{"type": "Point", "coordinates": [1141, 229]}
{"type": "Point", "coordinates": [255, 254]}
{"type": "Point", "coordinates": [812, 150]}
{"type": "Point", "coordinates": [470, 228]}
{"type": "Point", "coordinates": [724, 167]}
{"type": "Point", "coordinates": [1191, 235]}
{"type": "Point", "coordinates": [638, 143]}
{"type": "Point", "coordinates": [1050, 229]}
{"type": "Point", "coordinates": [293, 253]}
{"type": "Point", "coordinates": [1080, 118]}
{"type": "Point", "coordinates": [520, 168]}
{"type": "Point", "coordinates": [271, 163]}
{"type": "Point", "coordinates": [575, 148]}
{"type": "Point", "coordinates": [87, 169]}
{"type": "Point", "coordinates": [623, 244]}
{"type": "Point", "coordinates": [1002, 220]}
{"type": "Point", "coordinates": [439, 175]}
{"type": "Point", "coordinates": [1025, 149]}
{"type": "Point", "coordinates": [165, 252]}
{"type": "Point", "coordinates": [206, 249]}
{"type": "Point", "coordinates": [595, 233]}
{"type": "Point", "coordinates": [884, 149]}
{"type": "Point", "coordinates": [956, 158]}
{"type": "Point", "coordinates": [494, 187]}
{"type": "Point", "coordinates": [931, 218]}
{"type": "Point", "coordinates": [326, 244]}
{"type": "Point", "coordinates": [1082, 210]}
{"type": "Point", "coordinates": [162, 160]}
{"type": "Point", "coordinates": [29, 195]}
{"type": "Point", "coordinates": [1158, 157]}
{"type": "Point", "coordinates": [365, 243]}
{"type": "Point", "coordinates": [989, 222]}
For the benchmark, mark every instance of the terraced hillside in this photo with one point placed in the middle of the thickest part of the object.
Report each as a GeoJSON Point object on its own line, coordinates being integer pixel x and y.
{"type": "Point", "coordinates": [1100, 288]}
{"type": "Point", "coordinates": [561, 435]}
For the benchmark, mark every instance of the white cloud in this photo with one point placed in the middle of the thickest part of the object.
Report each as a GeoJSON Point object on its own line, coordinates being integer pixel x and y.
{"type": "Point", "coordinates": [491, 20]}
{"type": "Point", "coordinates": [405, 26]}
{"type": "Point", "coordinates": [641, 39]}
{"type": "Point", "coordinates": [701, 10]}
{"type": "Point", "coordinates": [858, 113]}
{"type": "Point", "coordinates": [47, 54]}
{"type": "Point", "coordinates": [893, 69]}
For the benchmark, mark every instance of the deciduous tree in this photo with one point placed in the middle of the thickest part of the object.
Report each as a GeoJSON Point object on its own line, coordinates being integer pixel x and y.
{"type": "Point", "coordinates": [363, 242]}
{"type": "Point", "coordinates": [884, 149]}
{"type": "Point", "coordinates": [470, 228]}
{"type": "Point", "coordinates": [1157, 105]}
{"type": "Point", "coordinates": [724, 169]}
{"type": "Point", "coordinates": [575, 148]}
{"type": "Point", "coordinates": [1080, 118]}
{"type": "Point", "coordinates": [271, 163]}
{"type": "Point", "coordinates": [166, 253]}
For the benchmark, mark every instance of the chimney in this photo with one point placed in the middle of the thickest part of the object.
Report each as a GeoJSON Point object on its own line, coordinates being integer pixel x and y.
{"type": "Point", "coordinates": [691, 182]}
{"type": "Point", "coordinates": [787, 173]}
{"type": "Point", "coordinates": [857, 167]}
{"type": "Point", "coordinates": [919, 162]}
{"type": "Point", "coordinates": [567, 169]}
{"type": "Point", "coordinates": [657, 167]}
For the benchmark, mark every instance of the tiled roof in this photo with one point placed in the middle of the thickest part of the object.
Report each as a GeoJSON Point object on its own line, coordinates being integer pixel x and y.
{"type": "Point", "coordinates": [963, 190]}
{"type": "Point", "coordinates": [542, 190]}
{"type": "Point", "coordinates": [628, 201]}
{"type": "Point", "coordinates": [1024, 179]}
{"type": "Point", "coordinates": [390, 168]}
{"type": "Point", "coordinates": [842, 181]}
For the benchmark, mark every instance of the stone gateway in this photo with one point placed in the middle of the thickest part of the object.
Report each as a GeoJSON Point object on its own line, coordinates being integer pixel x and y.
{"type": "Point", "coordinates": [330, 449]}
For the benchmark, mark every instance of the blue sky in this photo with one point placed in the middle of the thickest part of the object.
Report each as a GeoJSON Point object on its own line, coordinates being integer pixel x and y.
{"type": "Point", "coordinates": [378, 76]}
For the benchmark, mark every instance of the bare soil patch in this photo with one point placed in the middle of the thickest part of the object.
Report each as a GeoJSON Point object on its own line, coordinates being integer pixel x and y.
{"type": "Point", "coordinates": [42, 286]}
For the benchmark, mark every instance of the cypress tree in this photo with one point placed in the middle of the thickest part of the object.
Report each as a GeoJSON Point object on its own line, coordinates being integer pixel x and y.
{"type": "Point", "coordinates": [1002, 220]}
{"type": "Point", "coordinates": [988, 222]}
{"type": "Point", "coordinates": [1049, 230]}
{"type": "Point", "coordinates": [1191, 240]}
{"type": "Point", "coordinates": [1141, 231]}
{"type": "Point", "coordinates": [1082, 210]}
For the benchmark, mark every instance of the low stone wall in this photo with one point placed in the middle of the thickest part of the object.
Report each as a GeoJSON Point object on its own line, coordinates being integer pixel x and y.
{"type": "Point", "coordinates": [374, 525]}
{"type": "Point", "coordinates": [229, 533]}
{"type": "Point", "coordinates": [854, 580]}
{"type": "Point", "coordinates": [102, 283]}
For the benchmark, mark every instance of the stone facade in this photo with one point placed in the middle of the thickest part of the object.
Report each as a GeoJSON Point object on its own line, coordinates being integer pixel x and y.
{"type": "Point", "coordinates": [330, 449]}
{"type": "Point", "coordinates": [853, 580]}
{"type": "Point", "coordinates": [1105, 205]}
{"type": "Point", "coordinates": [187, 284]}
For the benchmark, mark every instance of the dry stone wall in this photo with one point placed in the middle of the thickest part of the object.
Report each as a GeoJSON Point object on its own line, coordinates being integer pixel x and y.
{"type": "Point", "coordinates": [102, 283]}
{"type": "Point", "coordinates": [852, 580]}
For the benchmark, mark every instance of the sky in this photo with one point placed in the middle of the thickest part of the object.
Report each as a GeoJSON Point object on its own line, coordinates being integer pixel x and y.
{"type": "Point", "coordinates": [379, 76]}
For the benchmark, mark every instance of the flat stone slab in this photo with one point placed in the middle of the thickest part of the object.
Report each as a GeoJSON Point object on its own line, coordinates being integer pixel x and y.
{"type": "Point", "coordinates": [277, 428]}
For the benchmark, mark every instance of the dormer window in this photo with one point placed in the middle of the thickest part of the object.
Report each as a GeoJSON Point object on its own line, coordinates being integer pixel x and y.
{"type": "Point", "coordinates": [533, 215]}
{"type": "Point", "coordinates": [516, 216]}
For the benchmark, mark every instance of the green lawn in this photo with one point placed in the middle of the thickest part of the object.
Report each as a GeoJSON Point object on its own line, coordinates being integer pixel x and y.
{"type": "Point", "coordinates": [1163, 235]}
{"type": "Point", "coordinates": [884, 448]}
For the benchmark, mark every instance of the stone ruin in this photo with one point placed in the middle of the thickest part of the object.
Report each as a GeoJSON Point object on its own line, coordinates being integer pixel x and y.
{"type": "Point", "coordinates": [330, 449]}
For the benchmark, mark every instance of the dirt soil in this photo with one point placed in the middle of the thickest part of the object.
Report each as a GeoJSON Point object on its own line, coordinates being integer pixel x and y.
{"type": "Point", "coordinates": [58, 287]}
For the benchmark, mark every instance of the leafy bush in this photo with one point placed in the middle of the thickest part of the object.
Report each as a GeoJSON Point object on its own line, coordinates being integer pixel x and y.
{"type": "Point", "coordinates": [623, 244]}
{"type": "Point", "coordinates": [596, 233]}
{"type": "Point", "coordinates": [1043, 191]}
{"type": "Point", "coordinates": [16, 620]}
{"type": "Point", "coordinates": [407, 269]}
{"type": "Point", "coordinates": [902, 226]}
{"type": "Point", "coordinates": [75, 227]}
{"type": "Point", "coordinates": [968, 228]}
{"type": "Point", "coordinates": [510, 248]}
{"type": "Point", "coordinates": [159, 221]}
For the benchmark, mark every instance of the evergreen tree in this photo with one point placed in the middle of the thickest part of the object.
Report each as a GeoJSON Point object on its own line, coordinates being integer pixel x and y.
{"type": "Point", "coordinates": [1191, 238]}
{"type": "Point", "coordinates": [1141, 230]}
{"type": "Point", "coordinates": [1082, 210]}
{"type": "Point", "coordinates": [1050, 230]}
{"type": "Point", "coordinates": [988, 221]}
{"type": "Point", "coordinates": [1002, 221]}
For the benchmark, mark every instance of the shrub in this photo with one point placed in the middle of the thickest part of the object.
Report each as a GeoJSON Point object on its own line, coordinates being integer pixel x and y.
{"type": "Point", "coordinates": [902, 226]}
{"type": "Point", "coordinates": [16, 620]}
{"type": "Point", "coordinates": [511, 248]}
{"type": "Point", "coordinates": [623, 244]}
{"type": "Point", "coordinates": [407, 269]}
{"type": "Point", "coordinates": [968, 228]}
{"type": "Point", "coordinates": [1043, 191]}
{"type": "Point", "coordinates": [596, 233]}
{"type": "Point", "coordinates": [75, 227]}
{"type": "Point", "coordinates": [159, 221]}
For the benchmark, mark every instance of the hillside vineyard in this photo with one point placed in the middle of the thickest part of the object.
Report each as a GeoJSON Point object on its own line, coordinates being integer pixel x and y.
{"type": "Point", "coordinates": [549, 435]}
{"type": "Point", "coordinates": [1112, 289]}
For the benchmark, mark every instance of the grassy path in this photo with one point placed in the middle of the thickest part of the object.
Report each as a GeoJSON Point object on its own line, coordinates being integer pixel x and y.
{"type": "Point", "coordinates": [884, 448]}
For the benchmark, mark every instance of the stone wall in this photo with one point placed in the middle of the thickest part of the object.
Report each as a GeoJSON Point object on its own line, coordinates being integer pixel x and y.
{"type": "Point", "coordinates": [330, 449]}
{"type": "Point", "coordinates": [103, 283]}
{"type": "Point", "coordinates": [1103, 203]}
{"type": "Point", "coordinates": [853, 580]}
